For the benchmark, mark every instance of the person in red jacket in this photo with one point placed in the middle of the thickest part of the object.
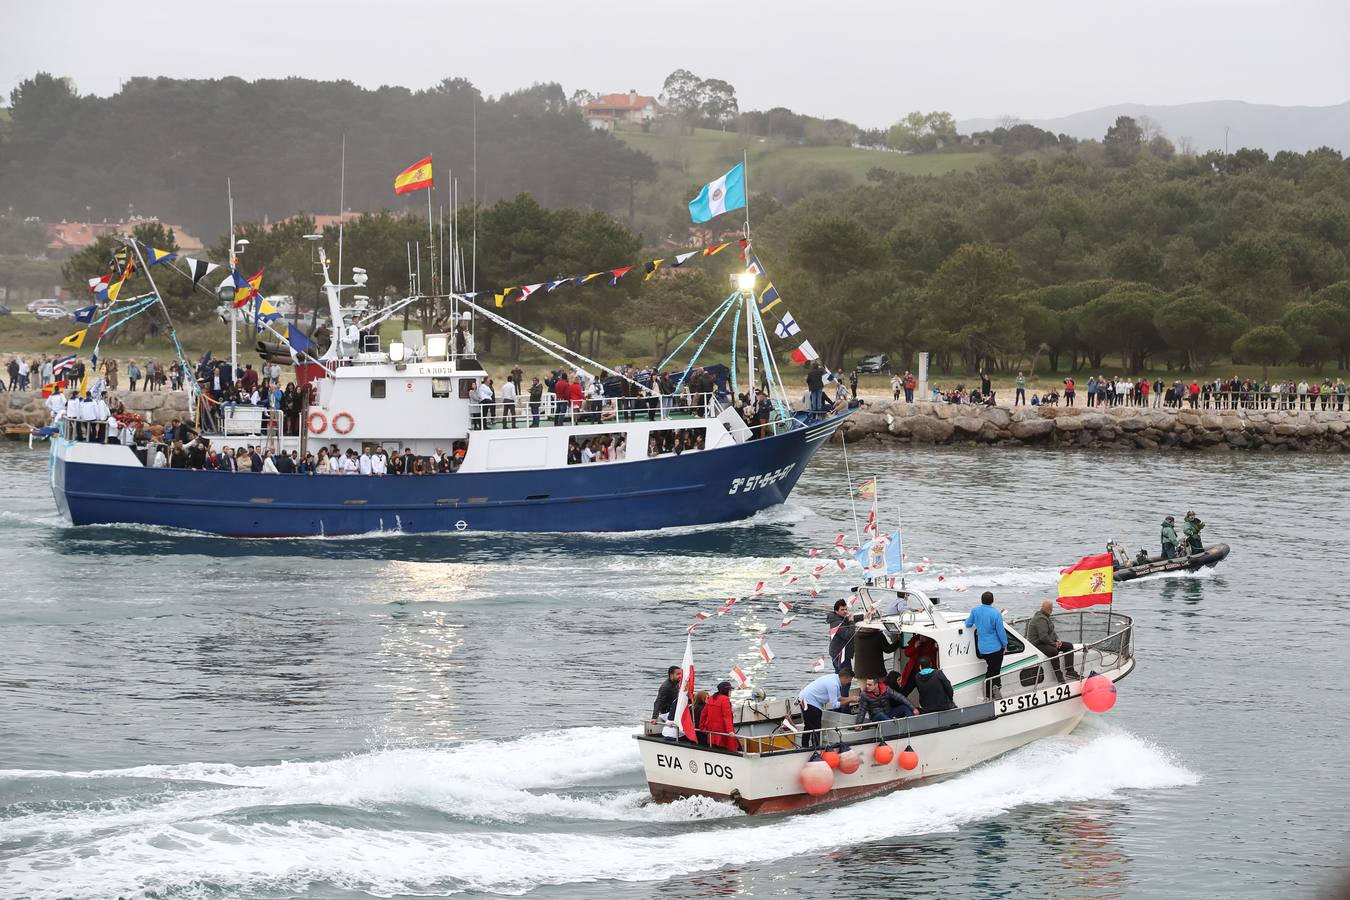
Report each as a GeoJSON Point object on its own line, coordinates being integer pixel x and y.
{"type": "Point", "coordinates": [717, 722]}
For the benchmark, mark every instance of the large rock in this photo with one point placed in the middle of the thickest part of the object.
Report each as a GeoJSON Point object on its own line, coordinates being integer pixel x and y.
{"type": "Point", "coordinates": [968, 424]}
{"type": "Point", "coordinates": [930, 431]}
{"type": "Point", "coordinates": [1030, 429]}
{"type": "Point", "coordinates": [1068, 423]}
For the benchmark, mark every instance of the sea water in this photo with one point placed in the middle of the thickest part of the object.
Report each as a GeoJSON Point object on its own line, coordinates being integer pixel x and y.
{"type": "Point", "coordinates": [423, 715]}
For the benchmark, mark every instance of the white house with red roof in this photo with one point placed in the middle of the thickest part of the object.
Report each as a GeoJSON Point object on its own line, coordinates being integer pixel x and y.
{"type": "Point", "coordinates": [608, 109]}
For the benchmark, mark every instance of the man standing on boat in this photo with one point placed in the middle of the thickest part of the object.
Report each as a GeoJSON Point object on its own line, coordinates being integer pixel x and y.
{"type": "Point", "coordinates": [991, 641]}
{"type": "Point", "coordinates": [842, 630]}
{"type": "Point", "coordinates": [1169, 538]}
{"type": "Point", "coordinates": [668, 694]}
{"type": "Point", "coordinates": [815, 383]}
{"type": "Point", "coordinates": [826, 692]}
{"type": "Point", "coordinates": [1192, 530]}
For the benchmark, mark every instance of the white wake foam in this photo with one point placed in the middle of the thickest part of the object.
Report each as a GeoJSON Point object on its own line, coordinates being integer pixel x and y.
{"type": "Point", "coordinates": [160, 855]}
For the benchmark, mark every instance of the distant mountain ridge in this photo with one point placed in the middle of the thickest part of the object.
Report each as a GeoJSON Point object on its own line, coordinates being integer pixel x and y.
{"type": "Point", "coordinates": [1272, 128]}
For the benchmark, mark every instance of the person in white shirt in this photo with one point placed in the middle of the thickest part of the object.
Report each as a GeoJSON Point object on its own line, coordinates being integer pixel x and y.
{"type": "Point", "coordinates": [128, 435]}
{"type": "Point", "coordinates": [158, 461]}
{"type": "Point", "coordinates": [114, 429]}
{"type": "Point", "coordinates": [56, 405]}
{"type": "Point", "coordinates": [363, 463]}
{"type": "Point", "coordinates": [379, 463]}
{"type": "Point", "coordinates": [487, 408]}
{"type": "Point", "coordinates": [346, 465]}
{"type": "Point", "coordinates": [587, 454]}
{"type": "Point", "coordinates": [23, 374]}
{"type": "Point", "coordinates": [98, 415]}
{"type": "Point", "coordinates": [269, 467]}
{"type": "Point", "coordinates": [509, 403]}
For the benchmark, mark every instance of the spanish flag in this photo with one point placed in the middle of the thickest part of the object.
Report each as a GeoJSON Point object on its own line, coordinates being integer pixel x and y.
{"type": "Point", "coordinates": [414, 178]}
{"type": "Point", "coordinates": [245, 289]}
{"type": "Point", "coordinates": [1087, 582]}
{"type": "Point", "coordinates": [75, 340]}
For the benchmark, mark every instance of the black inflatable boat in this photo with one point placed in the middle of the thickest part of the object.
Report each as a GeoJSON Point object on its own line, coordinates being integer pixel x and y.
{"type": "Point", "coordinates": [1211, 556]}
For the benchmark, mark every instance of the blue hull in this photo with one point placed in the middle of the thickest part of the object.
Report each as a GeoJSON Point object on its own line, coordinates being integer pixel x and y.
{"type": "Point", "coordinates": [721, 485]}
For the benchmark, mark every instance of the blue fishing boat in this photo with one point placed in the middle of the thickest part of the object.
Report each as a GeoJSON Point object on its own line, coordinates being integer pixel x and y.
{"type": "Point", "coordinates": [661, 458]}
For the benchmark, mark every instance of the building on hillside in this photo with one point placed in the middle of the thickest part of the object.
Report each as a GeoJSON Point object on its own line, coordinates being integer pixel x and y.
{"type": "Point", "coordinates": [66, 238]}
{"type": "Point", "coordinates": [604, 112]}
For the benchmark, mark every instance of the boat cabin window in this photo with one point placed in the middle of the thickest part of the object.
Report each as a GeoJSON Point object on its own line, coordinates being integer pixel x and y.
{"type": "Point", "coordinates": [1015, 645]}
{"type": "Point", "coordinates": [466, 386]}
{"type": "Point", "coordinates": [377, 388]}
{"type": "Point", "coordinates": [440, 387]}
{"type": "Point", "coordinates": [594, 448]}
{"type": "Point", "coordinates": [676, 440]}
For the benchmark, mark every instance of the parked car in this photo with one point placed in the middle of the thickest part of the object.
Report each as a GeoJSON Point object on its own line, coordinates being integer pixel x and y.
{"type": "Point", "coordinates": [50, 312]}
{"type": "Point", "coordinates": [35, 305]}
{"type": "Point", "coordinates": [875, 365]}
{"type": "Point", "coordinates": [4, 310]}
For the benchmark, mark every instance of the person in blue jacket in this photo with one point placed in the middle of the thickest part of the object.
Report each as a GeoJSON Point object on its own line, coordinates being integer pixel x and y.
{"type": "Point", "coordinates": [991, 641]}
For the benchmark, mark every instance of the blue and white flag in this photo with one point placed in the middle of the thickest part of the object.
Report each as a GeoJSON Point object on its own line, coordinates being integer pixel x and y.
{"type": "Point", "coordinates": [723, 195]}
{"type": "Point", "coordinates": [85, 314]}
{"type": "Point", "coordinates": [882, 556]}
{"type": "Point", "coordinates": [787, 326]}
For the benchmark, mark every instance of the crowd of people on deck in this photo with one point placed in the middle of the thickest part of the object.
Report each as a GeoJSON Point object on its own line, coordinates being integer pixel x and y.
{"type": "Point", "coordinates": [919, 687]}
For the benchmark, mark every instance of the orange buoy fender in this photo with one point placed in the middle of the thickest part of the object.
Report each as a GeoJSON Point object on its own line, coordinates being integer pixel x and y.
{"type": "Point", "coordinates": [883, 754]}
{"type": "Point", "coordinates": [831, 758]}
{"type": "Point", "coordinates": [1099, 693]}
{"type": "Point", "coordinates": [817, 777]}
{"type": "Point", "coordinates": [850, 761]}
{"type": "Point", "coordinates": [909, 760]}
{"type": "Point", "coordinates": [351, 423]}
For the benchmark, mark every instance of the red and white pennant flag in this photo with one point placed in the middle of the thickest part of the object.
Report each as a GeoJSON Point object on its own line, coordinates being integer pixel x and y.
{"type": "Point", "coordinates": [765, 652]}
{"type": "Point", "coordinates": [737, 674]}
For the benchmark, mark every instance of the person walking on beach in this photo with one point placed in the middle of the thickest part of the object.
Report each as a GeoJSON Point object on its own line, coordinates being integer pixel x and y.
{"type": "Point", "coordinates": [991, 642]}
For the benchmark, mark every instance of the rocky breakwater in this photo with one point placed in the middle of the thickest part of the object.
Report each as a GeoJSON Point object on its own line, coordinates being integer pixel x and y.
{"type": "Point", "coordinates": [1124, 427]}
{"type": "Point", "coordinates": [29, 407]}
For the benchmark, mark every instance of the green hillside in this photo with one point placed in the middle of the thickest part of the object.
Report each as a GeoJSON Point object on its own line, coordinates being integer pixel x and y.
{"type": "Point", "coordinates": [786, 171]}
{"type": "Point", "coordinates": [707, 149]}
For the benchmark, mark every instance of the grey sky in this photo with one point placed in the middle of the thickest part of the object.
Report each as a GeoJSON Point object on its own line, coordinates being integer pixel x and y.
{"type": "Point", "coordinates": [869, 62]}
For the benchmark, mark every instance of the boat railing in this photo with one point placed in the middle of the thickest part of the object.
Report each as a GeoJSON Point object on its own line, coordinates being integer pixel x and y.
{"type": "Point", "coordinates": [598, 411]}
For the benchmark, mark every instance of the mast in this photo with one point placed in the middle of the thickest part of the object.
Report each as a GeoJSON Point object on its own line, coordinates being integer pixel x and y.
{"type": "Point", "coordinates": [750, 295]}
{"type": "Point", "coordinates": [234, 313]}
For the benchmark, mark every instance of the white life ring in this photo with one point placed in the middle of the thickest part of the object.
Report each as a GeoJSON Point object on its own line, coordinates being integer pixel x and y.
{"type": "Point", "coordinates": [323, 422]}
{"type": "Point", "coordinates": [351, 423]}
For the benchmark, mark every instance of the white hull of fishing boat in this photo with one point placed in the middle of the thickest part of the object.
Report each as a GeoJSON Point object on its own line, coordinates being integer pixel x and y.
{"type": "Point", "coordinates": [765, 776]}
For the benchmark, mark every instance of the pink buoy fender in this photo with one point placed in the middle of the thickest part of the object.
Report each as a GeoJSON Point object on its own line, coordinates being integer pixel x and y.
{"type": "Point", "coordinates": [817, 777]}
{"type": "Point", "coordinates": [1099, 693]}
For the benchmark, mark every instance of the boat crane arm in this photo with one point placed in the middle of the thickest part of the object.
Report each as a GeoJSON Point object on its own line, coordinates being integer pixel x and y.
{"type": "Point", "coordinates": [538, 340]}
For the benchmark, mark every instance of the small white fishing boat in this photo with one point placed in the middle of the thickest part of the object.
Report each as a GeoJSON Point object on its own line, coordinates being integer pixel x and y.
{"type": "Point", "coordinates": [780, 768]}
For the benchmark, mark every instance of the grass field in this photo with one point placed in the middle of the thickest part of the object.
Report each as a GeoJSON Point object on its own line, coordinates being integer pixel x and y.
{"type": "Point", "coordinates": [712, 151]}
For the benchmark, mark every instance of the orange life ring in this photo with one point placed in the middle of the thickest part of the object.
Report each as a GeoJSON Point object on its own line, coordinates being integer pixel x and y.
{"type": "Point", "coordinates": [351, 423]}
{"type": "Point", "coordinates": [323, 422]}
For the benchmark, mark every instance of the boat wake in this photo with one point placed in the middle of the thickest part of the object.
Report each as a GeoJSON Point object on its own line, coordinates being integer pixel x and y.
{"type": "Point", "coordinates": [496, 816]}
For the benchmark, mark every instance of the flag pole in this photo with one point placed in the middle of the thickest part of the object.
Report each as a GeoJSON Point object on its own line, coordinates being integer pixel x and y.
{"type": "Point", "coordinates": [431, 242]}
{"type": "Point", "coordinates": [745, 180]}
{"type": "Point", "coordinates": [843, 442]}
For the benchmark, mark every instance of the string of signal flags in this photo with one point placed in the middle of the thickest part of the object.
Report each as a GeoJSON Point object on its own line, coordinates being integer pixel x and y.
{"type": "Point", "coordinates": [724, 194]}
